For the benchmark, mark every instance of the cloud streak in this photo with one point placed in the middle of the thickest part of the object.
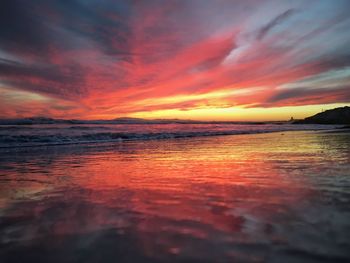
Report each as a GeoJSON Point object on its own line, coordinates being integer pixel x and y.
{"type": "Point", "coordinates": [273, 23]}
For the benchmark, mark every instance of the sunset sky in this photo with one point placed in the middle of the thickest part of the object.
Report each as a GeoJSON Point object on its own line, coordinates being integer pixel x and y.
{"type": "Point", "coordinates": [190, 59]}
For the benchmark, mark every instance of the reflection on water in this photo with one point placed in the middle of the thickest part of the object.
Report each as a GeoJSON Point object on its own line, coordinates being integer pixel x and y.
{"type": "Point", "coordinates": [251, 198]}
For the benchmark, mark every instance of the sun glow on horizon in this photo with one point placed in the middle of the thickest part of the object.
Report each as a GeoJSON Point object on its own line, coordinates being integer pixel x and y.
{"type": "Point", "coordinates": [239, 113]}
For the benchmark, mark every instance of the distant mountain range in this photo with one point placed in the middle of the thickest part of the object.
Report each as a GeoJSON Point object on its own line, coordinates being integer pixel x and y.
{"type": "Point", "coordinates": [335, 116]}
{"type": "Point", "coordinates": [44, 120]}
{"type": "Point", "coordinates": [124, 120]}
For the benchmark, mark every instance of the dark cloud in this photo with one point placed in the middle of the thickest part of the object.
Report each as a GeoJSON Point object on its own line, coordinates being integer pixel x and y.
{"type": "Point", "coordinates": [66, 82]}
{"type": "Point", "coordinates": [273, 23]}
{"type": "Point", "coordinates": [104, 22]}
{"type": "Point", "coordinates": [33, 27]}
{"type": "Point", "coordinates": [310, 94]}
{"type": "Point", "coordinates": [22, 30]}
{"type": "Point", "coordinates": [9, 69]}
{"type": "Point", "coordinates": [333, 62]}
{"type": "Point", "coordinates": [43, 35]}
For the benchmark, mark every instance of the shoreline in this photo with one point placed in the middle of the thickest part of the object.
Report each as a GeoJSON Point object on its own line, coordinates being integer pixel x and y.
{"type": "Point", "coordinates": [112, 143]}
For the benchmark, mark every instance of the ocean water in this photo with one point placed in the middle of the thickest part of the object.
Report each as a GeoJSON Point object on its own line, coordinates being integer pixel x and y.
{"type": "Point", "coordinates": [58, 134]}
{"type": "Point", "coordinates": [266, 197]}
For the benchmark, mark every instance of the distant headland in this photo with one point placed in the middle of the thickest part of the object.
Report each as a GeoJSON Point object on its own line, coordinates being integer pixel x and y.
{"type": "Point", "coordinates": [334, 116]}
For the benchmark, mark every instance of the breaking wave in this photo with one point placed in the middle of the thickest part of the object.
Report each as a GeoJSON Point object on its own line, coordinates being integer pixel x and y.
{"type": "Point", "coordinates": [13, 136]}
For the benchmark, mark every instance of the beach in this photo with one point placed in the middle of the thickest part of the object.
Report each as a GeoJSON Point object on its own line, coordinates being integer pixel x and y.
{"type": "Point", "coordinates": [281, 196]}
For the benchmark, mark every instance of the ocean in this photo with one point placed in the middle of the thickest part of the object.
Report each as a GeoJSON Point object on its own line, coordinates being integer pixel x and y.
{"type": "Point", "coordinates": [174, 193]}
{"type": "Point", "coordinates": [59, 134]}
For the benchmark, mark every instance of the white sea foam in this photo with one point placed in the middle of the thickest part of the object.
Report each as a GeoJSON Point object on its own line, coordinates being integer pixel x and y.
{"type": "Point", "coordinates": [56, 134]}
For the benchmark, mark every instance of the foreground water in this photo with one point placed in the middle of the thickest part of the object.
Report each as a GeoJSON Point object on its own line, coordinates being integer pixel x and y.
{"type": "Point", "coordinates": [277, 197]}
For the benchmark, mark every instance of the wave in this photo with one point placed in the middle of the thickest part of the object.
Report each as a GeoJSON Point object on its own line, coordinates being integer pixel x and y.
{"type": "Point", "coordinates": [29, 140]}
{"type": "Point", "coordinates": [78, 127]}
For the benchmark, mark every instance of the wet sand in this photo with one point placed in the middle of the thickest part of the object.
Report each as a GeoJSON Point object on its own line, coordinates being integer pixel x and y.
{"type": "Point", "coordinates": [278, 197]}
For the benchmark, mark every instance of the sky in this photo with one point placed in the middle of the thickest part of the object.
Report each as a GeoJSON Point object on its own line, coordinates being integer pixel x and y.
{"type": "Point", "coordinates": [189, 59]}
